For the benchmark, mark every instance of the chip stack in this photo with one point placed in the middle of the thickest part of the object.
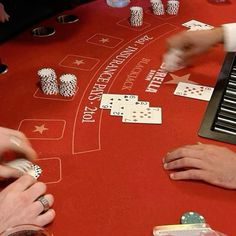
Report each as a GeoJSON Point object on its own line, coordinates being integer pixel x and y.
{"type": "Point", "coordinates": [68, 85]}
{"type": "Point", "coordinates": [136, 16]}
{"type": "Point", "coordinates": [157, 7]}
{"type": "Point", "coordinates": [48, 81]}
{"type": "Point", "coordinates": [172, 7]}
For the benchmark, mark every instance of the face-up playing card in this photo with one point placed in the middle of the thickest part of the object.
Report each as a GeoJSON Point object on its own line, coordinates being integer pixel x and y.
{"type": "Point", "coordinates": [194, 91]}
{"type": "Point", "coordinates": [120, 107]}
{"type": "Point", "coordinates": [108, 100]}
{"type": "Point", "coordinates": [144, 115]}
{"type": "Point", "coordinates": [197, 25]}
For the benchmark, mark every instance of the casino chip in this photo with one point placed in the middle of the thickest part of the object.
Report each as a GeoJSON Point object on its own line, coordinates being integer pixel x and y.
{"type": "Point", "coordinates": [48, 81]}
{"type": "Point", "coordinates": [172, 7]}
{"type": "Point", "coordinates": [136, 16]}
{"type": "Point", "coordinates": [157, 7]}
{"type": "Point", "coordinates": [192, 218]}
{"type": "Point", "coordinates": [68, 85]}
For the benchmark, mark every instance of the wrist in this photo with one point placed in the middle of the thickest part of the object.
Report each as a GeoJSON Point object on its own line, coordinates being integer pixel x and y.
{"type": "Point", "coordinates": [218, 35]}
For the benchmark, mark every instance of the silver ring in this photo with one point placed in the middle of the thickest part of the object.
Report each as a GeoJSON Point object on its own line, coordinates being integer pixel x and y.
{"type": "Point", "coordinates": [15, 141]}
{"type": "Point", "coordinates": [44, 202]}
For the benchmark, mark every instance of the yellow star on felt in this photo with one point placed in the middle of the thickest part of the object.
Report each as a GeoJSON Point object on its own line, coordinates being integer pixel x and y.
{"type": "Point", "coordinates": [40, 128]}
{"type": "Point", "coordinates": [176, 79]}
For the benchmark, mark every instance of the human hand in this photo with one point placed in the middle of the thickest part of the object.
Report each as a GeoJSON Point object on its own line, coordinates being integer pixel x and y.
{"type": "Point", "coordinates": [210, 163]}
{"type": "Point", "coordinates": [3, 15]}
{"type": "Point", "coordinates": [193, 43]}
{"type": "Point", "coordinates": [13, 140]}
{"type": "Point", "coordinates": [19, 204]}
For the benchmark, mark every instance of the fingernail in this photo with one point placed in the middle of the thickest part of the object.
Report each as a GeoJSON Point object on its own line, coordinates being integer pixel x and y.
{"type": "Point", "coordinates": [165, 166]}
{"type": "Point", "coordinates": [172, 176]}
{"type": "Point", "coordinates": [163, 160]}
{"type": "Point", "coordinates": [199, 143]}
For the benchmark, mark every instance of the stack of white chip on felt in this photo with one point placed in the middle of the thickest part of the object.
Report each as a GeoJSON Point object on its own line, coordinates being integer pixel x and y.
{"type": "Point", "coordinates": [173, 60]}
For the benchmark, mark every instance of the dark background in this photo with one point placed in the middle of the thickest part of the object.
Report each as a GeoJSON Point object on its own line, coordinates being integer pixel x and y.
{"type": "Point", "coordinates": [24, 13]}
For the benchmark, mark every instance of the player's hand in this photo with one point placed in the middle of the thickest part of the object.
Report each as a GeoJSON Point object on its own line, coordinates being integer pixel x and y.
{"type": "Point", "coordinates": [193, 43]}
{"type": "Point", "coordinates": [3, 15]}
{"type": "Point", "coordinates": [210, 163]}
{"type": "Point", "coordinates": [19, 204]}
{"type": "Point", "coordinates": [13, 140]}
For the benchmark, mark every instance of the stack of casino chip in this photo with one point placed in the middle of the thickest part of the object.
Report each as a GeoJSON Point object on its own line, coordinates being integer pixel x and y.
{"type": "Point", "coordinates": [48, 81]}
{"type": "Point", "coordinates": [136, 16]}
{"type": "Point", "coordinates": [172, 7]}
{"type": "Point", "coordinates": [157, 7]}
{"type": "Point", "coordinates": [68, 85]}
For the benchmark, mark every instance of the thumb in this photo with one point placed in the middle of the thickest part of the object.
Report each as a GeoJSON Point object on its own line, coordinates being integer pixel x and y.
{"type": "Point", "coordinates": [9, 172]}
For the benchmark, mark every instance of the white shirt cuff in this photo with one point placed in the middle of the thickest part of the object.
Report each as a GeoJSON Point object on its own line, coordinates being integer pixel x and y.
{"type": "Point", "coordinates": [230, 37]}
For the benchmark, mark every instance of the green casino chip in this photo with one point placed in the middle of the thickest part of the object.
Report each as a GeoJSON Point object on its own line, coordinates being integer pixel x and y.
{"type": "Point", "coordinates": [192, 218]}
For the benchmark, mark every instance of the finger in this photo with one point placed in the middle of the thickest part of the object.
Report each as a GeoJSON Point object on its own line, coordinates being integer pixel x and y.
{"type": "Point", "coordinates": [185, 162]}
{"type": "Point", "coordinates": [192, 174]}
{"type": "Point", "coordinates": [38, 207]}
{"type": "Point", "coordinates": [36, 190]}
{"type": "Point", "coordinates": [9, 172]}
{"type": "Point", "coordinates": [16, 133]}
{"type": "Point", "coordinates": [45, 218]}
{"type": "Point", "coordinates": [21, 184]}
{"type": "Point", "coordinates": [183, 152]}
{"type": "Point", "coordinates": [21, 146]}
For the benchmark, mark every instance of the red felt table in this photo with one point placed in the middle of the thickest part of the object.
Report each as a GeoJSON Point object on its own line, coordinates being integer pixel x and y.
{"type": "Point", "coordinates": [107, 176]}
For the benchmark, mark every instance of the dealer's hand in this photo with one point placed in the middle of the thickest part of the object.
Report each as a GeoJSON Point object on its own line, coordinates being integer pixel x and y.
{"type": "Point", "coordinates": [193, 43]}
{"type": "Point", "coordinates": [210, 163]}
{"type": "Point", "coordinates": [20, 204]}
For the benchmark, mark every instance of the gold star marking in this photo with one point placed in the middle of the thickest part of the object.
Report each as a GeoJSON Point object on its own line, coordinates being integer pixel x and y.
{"type": "Point", "coordinates": [104, 40]}
{"type": "Point", "coordinates": [78, 62]}
{"type": "Point", "coordinates": [40, 128]}
{"type": "Point", "coordinates": [176, 79]}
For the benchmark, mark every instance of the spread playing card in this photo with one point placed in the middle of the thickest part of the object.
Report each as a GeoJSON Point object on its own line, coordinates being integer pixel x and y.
{"type": "Point", "coordinates": [108, 100]}
{"type": "Point", "coordinates": [34, 171]}
{"type": "Point", "coordinates": [144, 115]}
{"type": "Point", "coordinates": [197, 25]}
{"type": "Point", "coordinates": [25, 166]}
{"type": "Point", "coordinates": [119, 107]}
{"type": "Point", "coordinates": [20, 164]}
{"type": "Point", "coordinates": [194, 91]}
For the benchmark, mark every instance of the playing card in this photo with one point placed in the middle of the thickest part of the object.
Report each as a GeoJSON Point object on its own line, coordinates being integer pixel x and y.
{"type": "Point", "coordinates": [197, 25]}
{"type": "Point", "coordinates": [193, 91]}
{"type": "Point", "coordinates": [108, 100]}
{"type": "Point", "coordinates": [144, 115]}
{"type": "Point", "coordinates": [34, 171]}
{"type": "Point", "coordinates": [20, 164]}
{"type": "Point", "coordinates": [119, 107]}
{"type": "Point", "coordinates": [185, 230]}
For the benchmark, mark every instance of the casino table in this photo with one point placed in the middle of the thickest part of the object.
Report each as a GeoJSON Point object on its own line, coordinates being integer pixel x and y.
{"type": "Point", "coordinates": [107, 176]}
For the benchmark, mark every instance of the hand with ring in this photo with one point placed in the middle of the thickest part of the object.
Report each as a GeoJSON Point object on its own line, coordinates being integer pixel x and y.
{"type": "Point", "coordinates": [25, 202]}
{"type": "Point", "coordinates": [16, 141]}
